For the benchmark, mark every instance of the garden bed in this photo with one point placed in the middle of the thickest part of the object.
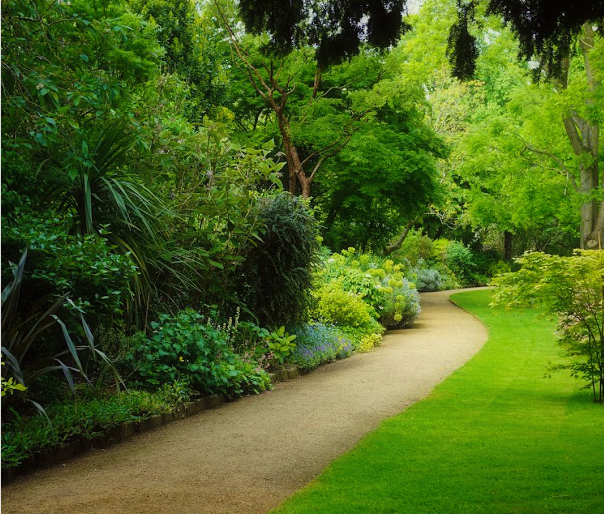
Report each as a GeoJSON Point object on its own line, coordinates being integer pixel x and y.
{"type": "Point", "coordinates": [124, 431]}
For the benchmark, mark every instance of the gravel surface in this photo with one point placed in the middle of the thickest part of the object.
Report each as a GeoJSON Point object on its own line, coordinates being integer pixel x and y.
{"type": "Point", "coordinates": [250, 455]}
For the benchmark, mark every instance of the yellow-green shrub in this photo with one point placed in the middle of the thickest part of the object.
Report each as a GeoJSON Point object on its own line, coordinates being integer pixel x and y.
{"type": "Point", "coordinates": [344, 308]}
{"type": "Point", "coordinates": [369, 341]}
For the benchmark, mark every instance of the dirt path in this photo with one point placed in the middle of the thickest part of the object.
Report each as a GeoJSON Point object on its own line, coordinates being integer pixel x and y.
{"type": "Point", "coordinates": [250, 455]}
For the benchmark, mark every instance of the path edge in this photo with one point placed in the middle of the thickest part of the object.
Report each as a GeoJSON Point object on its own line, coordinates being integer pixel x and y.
{"type": "Point", "coordinates": [52, 457]}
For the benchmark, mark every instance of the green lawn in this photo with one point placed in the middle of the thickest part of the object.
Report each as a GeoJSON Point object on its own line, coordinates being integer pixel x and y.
{"type": "Point", "coordinates": [495, 437]}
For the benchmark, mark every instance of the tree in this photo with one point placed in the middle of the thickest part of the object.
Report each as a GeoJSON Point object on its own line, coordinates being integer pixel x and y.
{"type": "Point", "coordinates": [582, 124]}
{"type": "Point", "coordinates": [571, 288]}
{"type": "Point", "coordinates": [383, 179]}
{"type": "Point", "coordinates": [276, 81]}
{"type": "Point", "coordinates": [544, 28]}
{"type": "Point", "coordinates": [511, 167]}
{"type": "Point", "coordinates": [337, 30]}
{"type": "Point", "coordinates": [192, 50]}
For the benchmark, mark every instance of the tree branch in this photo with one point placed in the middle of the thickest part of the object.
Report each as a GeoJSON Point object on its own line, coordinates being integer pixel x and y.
{"type": "Point", "coordinates": [398, 243]}
{"type": "Point", "coordinates": [564, 170]}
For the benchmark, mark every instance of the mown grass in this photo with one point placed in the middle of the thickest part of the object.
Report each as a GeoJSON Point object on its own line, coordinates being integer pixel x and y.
{"type": "Point", "coordinates": [495, 437]}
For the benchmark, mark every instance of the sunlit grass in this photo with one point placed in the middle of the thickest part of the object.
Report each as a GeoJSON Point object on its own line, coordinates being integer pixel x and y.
{"type": "Point", "coordinates": [496, 437]}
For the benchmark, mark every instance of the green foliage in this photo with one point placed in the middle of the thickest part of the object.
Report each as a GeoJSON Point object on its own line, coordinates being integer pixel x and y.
{"type": "Point", "coordinates": [387, 174]}
{"type": "Point", "coordinates": [279, 345]}
{"type": "Point", "coordinates": [417, 246]}
{"type": "Point", "coordinates": [335, 31]}
{"type": "Point", "coordinates": [460, 260]}
{"type": "Point", "coordinates": [187, 347]}
{"type": "Point", "coordinates": [24, 437]}
{"type": "Point", "coordinates": [401, 302]}
{"type": "Point", "coordinates": [393, 301]}
{"type": "Point", "coordinates": [25, 332]}
{"type": "Point", "coordinates": [192, 50]}
{"type": "Point", "coordinates": [427, 280]}
{"type": "Point", "coordinates": [571, 288]}
{"type": "Point", "coordinates": [101, 191]}
{"type": "Point", "coordinates": [10, 385]}
{"type": "Point", "coordinates": [275, 278]}
{"type": "Point", "coordinates": [87, 269]}
{"type": "Point", "coordinates": [344, 308]}
{"type": "Point", "coordinates": [66, 66]}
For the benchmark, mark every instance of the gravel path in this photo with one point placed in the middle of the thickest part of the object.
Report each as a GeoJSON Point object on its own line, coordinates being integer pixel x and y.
{"type": "Point", "coordinates": [250, 455]}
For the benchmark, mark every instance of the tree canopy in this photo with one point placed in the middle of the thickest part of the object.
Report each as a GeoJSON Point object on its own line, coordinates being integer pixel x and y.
{"type": "Point", "coordinates": [545, 29]}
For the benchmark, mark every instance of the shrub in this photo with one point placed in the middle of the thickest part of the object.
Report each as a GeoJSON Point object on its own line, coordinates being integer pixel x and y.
{"type": "Point", "coordinates": [354, 275]}
{"type": "Point", "coordinates": [379, 282]}
{"type": "Point", "coordinates": [401, 304]}
{"type": "Point", "coordinates": [85, 269]}
{"type": "Point", "coordinates": [344, 308]}
{"type": "Point", "coordinates": [447, 277]}
{"type": "Point", "coordinates": [415, 247]}
{"type": "Point", "coordinates": [319, 343]}
{"type": "Point", "coordinates": [29, 341]}
{"type": "Point", "coordinates": [427, 280]}
{"type": "Point", "coordinates": [499, 268]}
{"type": "Point", "coordinates": [571, 288]}
{"type": "Point", "coordinates": [276, 275]}
{"type": "Point", "coordinates": [183, 347]}
{"type": "Point", "coordinates": [459, 258]}
{"type": "Point", "coordinates": [364, 338]}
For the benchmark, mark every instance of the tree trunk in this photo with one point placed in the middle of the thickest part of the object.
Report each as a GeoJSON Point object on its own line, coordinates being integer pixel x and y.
{"type": "Point", "coordinates": [584, 139]}
{"type": "Point", "coordinates": [398, 243]}
{"type": "Point", "coordinates": [507, 245]}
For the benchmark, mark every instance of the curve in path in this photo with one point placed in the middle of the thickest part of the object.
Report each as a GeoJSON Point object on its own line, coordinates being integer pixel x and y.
{"type": "Point", "coordinates": [250, 455]}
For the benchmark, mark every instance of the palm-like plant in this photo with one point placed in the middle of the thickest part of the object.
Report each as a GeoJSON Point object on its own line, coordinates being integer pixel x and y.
{"type": "Point", "coordinates": [103, 192]}
{"type": "Point", "coordinates": [21, 332]}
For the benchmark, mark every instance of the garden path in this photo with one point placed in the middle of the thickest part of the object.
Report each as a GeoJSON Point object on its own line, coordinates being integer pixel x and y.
{"type": "Point", "coordinates": [250, 455]}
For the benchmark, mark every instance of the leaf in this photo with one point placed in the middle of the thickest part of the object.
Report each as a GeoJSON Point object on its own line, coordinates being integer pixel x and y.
{"type": "Point", "coordinates": [85, 148]}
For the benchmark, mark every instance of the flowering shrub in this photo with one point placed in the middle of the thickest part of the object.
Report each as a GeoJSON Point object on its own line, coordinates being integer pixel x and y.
{"type": "Point", "coordinates": [319, 343]}
{"type": "Point", "coordinates": [368, 341]}
{"type": "Point", "coordinates": [347, 311]}
{"type": "Point", "coordinates": [401, 304]}
{"type": "Point", "coordinates": [344, 308]}
{"type": "Point", "coordinates": [187, 347]}
{"type": "Point", "coordinates": [379, 282]}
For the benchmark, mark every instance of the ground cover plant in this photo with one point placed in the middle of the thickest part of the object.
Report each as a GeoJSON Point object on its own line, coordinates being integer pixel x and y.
{"type": "Point", "coordinates": [87, 419]}
{"type": "Point", "coordinates": [495, 437]}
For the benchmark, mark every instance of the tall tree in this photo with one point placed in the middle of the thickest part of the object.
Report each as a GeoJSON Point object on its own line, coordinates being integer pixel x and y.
{"type": "Point", "coordinates": [582, 125]}
{"type": "Point", "coordinates": [296, 91]}
{"type": "Point", "coordinates": [511, 166]}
